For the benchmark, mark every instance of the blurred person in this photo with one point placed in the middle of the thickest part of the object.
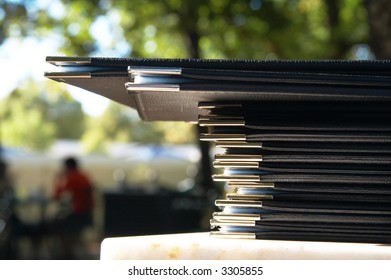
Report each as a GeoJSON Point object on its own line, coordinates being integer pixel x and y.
{"type": "Point", "coordinates": [75, 185]}
{"type": "Point", "coordinates": [6, 213]}
{"type": "Point", "coordinates": [5, 184]}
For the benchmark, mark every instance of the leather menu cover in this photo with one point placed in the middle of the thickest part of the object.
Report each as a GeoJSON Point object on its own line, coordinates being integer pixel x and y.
{"type": "Point", "coordinates": [313, 172]}
{"type": "Point", "coordinates": [170, 89]}
{"type": "Point", "coordinates": [307, 144]}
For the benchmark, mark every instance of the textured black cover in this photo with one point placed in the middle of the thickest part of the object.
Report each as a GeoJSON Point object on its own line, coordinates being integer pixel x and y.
{"type": "Point", "coordinates": [310, 170]}
{"type": "Point", "coordinates": [231, 80]}
{"type": "Point", "coordinates": [319, 133]}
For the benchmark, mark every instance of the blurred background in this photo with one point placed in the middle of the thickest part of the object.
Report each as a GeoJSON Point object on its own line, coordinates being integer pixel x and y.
{"type": "Point", "coordinates": [148, 178]}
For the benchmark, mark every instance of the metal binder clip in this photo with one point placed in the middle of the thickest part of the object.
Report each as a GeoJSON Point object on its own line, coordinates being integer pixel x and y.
{"type": "Point", "coordinates": [215, 122]}
{"type": "Point", "coordinates": [221, 216]}
{"type": "Point", "coordinates": [238, 144]}
{"type": "Point", "coordinates": [131, 87]}
{"type": "Point", "coordinates": [222, 137]}
{"type": "Point", "coordinates": [217, 105]}
{"type": "Point", "coordinates": [238, 158]}
{"type": "Point", "coordinates": [238, 203]}
{"type": "Point", "coordinates": [231, 164]}
{"type": "Point", "coordinates": [233, 178]}
{"type": "Point", "coordinates": [154, 70]}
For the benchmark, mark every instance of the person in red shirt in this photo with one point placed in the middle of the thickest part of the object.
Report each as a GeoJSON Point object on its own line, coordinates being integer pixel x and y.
{"type": "Point", "coordinates": [74, 183]}
{"type": "Point", "coordinates": [77, 184]}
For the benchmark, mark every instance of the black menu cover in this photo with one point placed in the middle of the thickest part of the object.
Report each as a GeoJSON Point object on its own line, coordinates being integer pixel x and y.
{"type": "Point", "coordinates": [312, 172]}
{"type": "Point", "coordinates": [170, 89]}
{"type": "Point", "coordinates": [306, 144]}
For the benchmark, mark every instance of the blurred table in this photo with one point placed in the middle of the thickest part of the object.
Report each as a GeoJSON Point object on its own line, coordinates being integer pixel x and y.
{"type": "Point", "coordinates": [200, 246]}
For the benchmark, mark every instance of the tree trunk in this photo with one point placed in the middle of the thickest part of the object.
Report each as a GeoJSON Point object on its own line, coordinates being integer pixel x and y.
{"type": "Point", "coordinates": [205, 165]}
{"type": "Point", "coordinates": [190, 30]}
{"type": "Point", "coordinates": [379, 18]}
{"type": "Point", "coordinates": [337, 42]}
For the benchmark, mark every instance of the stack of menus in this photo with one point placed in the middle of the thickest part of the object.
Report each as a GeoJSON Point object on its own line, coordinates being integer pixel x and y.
{"type": "Point", "coordinates": [307, 144]}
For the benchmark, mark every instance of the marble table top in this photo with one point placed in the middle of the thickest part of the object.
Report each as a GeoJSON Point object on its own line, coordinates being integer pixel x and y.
{"type": "Point", "coordinates": [201, 246]}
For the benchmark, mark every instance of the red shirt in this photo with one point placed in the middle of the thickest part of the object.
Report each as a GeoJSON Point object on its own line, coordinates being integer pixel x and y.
{"type": "Point", "coordinates": [80, 188]}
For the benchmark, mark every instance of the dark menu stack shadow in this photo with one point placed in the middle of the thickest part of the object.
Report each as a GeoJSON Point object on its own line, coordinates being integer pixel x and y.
{"type": "Point", "coordinates": [317, 171]}
{"type": "Point", "coordinates": [306, 144]}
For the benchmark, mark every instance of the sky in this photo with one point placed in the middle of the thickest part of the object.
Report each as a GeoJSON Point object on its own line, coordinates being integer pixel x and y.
{"type": "Point", "coordinates": [30, 63]}
{"type": "Point", "coordinates": [29, 60]}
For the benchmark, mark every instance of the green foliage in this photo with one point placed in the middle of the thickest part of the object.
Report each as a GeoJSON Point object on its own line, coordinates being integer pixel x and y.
{"type": "Point", "coordinates": [214, 29]}
{"type": "Point", "coordinates": [94, 141]}
{"type": "Point", "coordinates": [26, 128]}
{"type": "Point", "coordinates": [236, 29]}
{"type": "Point", "coordinates": [121, 124]}
{"type": "Point", "coordinates": [23, 121]}
{"type": "Point", "coordinates": [298, 29]}
{"type": "Point", "coordinates": [112, 126]}
{"type": "Point", "coordinates": [35, 114]}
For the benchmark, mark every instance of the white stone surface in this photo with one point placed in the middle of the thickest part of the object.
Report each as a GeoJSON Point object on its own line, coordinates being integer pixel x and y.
{"type": "Point", "coordinates": [200, 246]}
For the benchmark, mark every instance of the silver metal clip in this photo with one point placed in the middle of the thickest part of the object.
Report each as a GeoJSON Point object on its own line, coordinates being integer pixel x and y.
{"type": "Point", "coordinates": [229, 164]}
{"type": "Point", "coordinates": [238, 158]}
{"type": "Point", "coordinates": [154, 70]}
{"type": "Point", "coordinates": [221, 216]}
{"type": "Point", "coordinates": [216, 105]}
{"type": "Point", "coordinates": [238, 203]}
{"type": "Point", "coordinates": [222, 137]}
{"type": "Point", "coordinates": [238, 144]}
{"type": "Point", "coordinates": [152, 87]}
{"type": "Point", "coordinates": [216, 122]}
{"type": "Point", "coordinates": [236, 178]}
